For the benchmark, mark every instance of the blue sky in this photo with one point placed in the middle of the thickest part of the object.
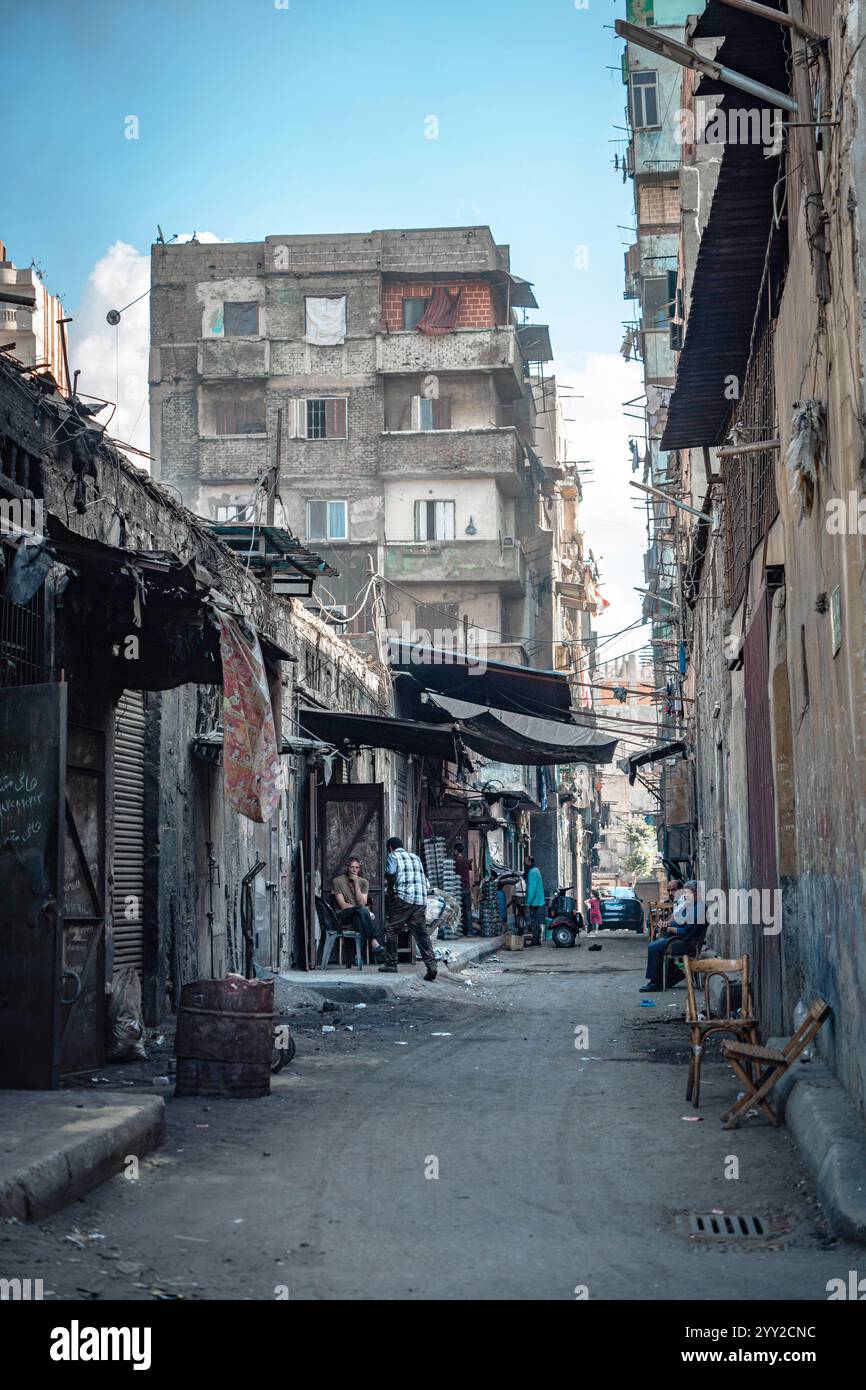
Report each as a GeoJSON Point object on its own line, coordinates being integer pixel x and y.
{"type": "Point", "coordinates": [256, 120]}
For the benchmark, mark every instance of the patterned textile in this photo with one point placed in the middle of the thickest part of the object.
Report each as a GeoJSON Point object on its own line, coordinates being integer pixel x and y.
{"type": "Point", "coordinates": [440, 316]}
{"type": "Point", "coordinates": [251, 761]}
{"type": "Point", "coordinates": [410, 880]}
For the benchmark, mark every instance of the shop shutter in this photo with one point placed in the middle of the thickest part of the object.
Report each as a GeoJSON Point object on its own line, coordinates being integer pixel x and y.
{"type": "Point", "coordinates": [128, 865]}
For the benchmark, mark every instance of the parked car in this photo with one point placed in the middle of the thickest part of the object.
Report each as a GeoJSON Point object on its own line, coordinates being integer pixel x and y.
{"type": "Point", "coordinates": [621, 907]}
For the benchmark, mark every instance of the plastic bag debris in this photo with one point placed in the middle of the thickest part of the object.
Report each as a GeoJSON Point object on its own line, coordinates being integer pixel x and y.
{"type": "Point", "coordinates": [647, 1003]}
{"type": "Point", "coordinates": [328, 1028]}
{"type": "Point", "coordinates": [125, 1024]}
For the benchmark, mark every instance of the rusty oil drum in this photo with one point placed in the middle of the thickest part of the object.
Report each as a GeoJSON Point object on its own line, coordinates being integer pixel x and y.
{"type": "Point", "coordinates": [225, 1038]}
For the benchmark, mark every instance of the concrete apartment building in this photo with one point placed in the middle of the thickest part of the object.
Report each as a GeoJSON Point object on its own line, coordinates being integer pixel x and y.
{"type": "Point", "coordinates": [431, 448]}
{"type": "Point", "coordinates": [29, 328]}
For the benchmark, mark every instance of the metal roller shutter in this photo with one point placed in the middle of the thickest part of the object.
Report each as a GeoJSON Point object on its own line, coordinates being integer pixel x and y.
{"type": "Point", "coordinates": [128, 865]}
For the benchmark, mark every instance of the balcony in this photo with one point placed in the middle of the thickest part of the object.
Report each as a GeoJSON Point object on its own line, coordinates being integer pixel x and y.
{"type": "Point", "coordinates": [456, 562]}
{"type": "Point", "coordinates": [463, 350]}
{"type": "Point", "coordinates": [482, 453]}
{"type": "Point", "coordinates": [225, 358]}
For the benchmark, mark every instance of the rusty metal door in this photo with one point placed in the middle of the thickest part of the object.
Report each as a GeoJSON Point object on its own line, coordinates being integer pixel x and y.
{"type": "Point", "coordinates": [83, 1038]}
{"type": "Point", "coordinates": [762, 809]}
{"type": "Point", "coordinates": [32, 796]}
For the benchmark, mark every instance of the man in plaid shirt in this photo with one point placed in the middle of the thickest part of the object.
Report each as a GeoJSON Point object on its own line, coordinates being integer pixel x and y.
{"type": "Point", "coordinates": [406, 906]}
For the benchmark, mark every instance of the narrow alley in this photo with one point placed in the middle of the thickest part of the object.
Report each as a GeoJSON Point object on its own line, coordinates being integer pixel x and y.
{"type": "Point", "coordinates": [556, 1173]}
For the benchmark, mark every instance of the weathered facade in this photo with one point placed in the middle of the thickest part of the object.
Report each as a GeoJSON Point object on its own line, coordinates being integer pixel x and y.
{"type": "Point", "coordinates": [392, 385]}
{"type": "Point", "coordinates": [766, 436]}
{"type": "Point", "coordinates": [115, 636]}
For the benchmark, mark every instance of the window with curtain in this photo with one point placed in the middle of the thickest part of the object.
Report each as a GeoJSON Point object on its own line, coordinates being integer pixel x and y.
{"type": "Point", "coordinates": [327, 520]}
{"type": "Point", "coordinates": [434, 521]}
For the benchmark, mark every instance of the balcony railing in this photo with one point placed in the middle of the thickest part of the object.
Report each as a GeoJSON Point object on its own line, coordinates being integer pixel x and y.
{"type": "Point", "coordinates": [456, 562]}
{"type": "Point", "coordinates": [463, 350]}
{"type": "Point", "coordinates": [481, 453]}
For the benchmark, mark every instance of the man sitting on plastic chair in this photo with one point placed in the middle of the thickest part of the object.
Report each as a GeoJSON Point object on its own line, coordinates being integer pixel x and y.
{"type": "Point", "coordinates": [687, 926]}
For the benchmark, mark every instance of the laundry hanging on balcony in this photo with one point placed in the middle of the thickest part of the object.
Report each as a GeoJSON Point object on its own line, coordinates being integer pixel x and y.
{"type": "Point", "coordinates": [251, 762]}
{"type": "Point", "coordinates": [440, 316]}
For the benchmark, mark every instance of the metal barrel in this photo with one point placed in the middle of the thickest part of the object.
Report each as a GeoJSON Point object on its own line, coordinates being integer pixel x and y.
{"type": "Point", "coordinates": [225, 1038]}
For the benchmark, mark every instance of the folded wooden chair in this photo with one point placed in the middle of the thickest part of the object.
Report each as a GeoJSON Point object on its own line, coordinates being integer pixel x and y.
{"type": "Point", "coordinates": [769, 1064]}
{"type": "Point", "coordinates": [744, 1026]}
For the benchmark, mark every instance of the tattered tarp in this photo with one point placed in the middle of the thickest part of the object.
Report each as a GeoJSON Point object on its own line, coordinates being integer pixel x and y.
{"type": "Point", "coordinates": [251, 763]}
{"type": "Point", "coordinates": [730, 267]}
{"type": "Point", "coordinates": [653, 755]}
{"type": "Point", "coordinates": [492, 684]}
{"type": "Point", "coordinates": [523, 740]}
{"type": "Point", "coordinates": [440, 316]}
{"type": "Point", "coordinates": [140, 620]}
{"type": "Point", "coordinates": [381, 731]}
{"type": "Point", "coordinates": [326, 321]}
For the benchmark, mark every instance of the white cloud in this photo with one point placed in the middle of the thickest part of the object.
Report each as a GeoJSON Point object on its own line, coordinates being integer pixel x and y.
{"type": "Point", "coordinates": [113, 360]}
{"type": "Point", "coordinates": [613, 529]}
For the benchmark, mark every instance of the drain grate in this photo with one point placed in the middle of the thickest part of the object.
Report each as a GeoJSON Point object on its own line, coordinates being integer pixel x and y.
{"type": "Point", "coordinates": [721, 1226]}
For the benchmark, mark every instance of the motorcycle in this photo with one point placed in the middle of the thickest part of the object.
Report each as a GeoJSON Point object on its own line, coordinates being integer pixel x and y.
{"type": "Point", "coordinates": [566, 923]}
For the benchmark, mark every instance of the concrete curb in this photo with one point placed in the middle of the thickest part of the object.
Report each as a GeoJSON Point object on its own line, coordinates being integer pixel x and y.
{"type": "Point", "coordinates": [298, 988]}
{"type": "Point", "coordinates": [60, 1144]}
{"type": "Point", "coordinates": [831, 1141]}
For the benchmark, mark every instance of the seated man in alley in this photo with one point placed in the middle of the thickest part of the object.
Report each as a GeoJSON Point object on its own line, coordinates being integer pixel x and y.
{"type": "Point", "coordinates": [687, 926]}
{"type": "Point", "coordinates": [406, 906]}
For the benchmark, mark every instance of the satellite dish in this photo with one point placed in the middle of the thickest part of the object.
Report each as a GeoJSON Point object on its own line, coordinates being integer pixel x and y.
{"type": "Point", "coordinates": [113, 317]}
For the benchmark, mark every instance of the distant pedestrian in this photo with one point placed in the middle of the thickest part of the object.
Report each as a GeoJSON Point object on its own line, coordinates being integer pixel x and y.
{"type": "Point", "coordinates": [595, 918]}
{"type": "Point", "coordinates": [464, 873]}
{"type": "Point", "coordinates": [406, 906]}
{"type": "Point", "coordinates": [534, 899]}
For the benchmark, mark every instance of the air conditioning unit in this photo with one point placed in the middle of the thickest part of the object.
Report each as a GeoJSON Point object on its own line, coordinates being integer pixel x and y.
{"type": "Point", "coordinates": [508, 542]}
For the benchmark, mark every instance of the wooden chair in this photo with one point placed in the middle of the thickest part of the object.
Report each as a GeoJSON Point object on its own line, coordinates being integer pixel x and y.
{"type": "Point", "coordinates": [743, 1025]}
{"type": "Point", "coordinates": [336, 933]}
{"type": "Point", "coordinates": [674, 960]}
{"type": "Point", "coordinates": [769, 1065]}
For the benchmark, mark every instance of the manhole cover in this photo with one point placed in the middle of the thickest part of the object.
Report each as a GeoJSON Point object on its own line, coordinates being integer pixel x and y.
{"type": "Point", "coordinates": [721, 1226]}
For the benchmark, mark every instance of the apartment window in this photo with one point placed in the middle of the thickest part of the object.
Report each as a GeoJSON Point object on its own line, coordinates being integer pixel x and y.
{"type": "Point", "coordinates": [433, 618]}
{"type": "Point", "coordinates": [428, 414]}
{"type": "Point", "coordinates": [326, 418]}
{"type": "Point", "coordinates": [656, 312]}
{"type": "Point", "coordinates": [644, 100]}
{"type": "Point", "coordinates": [235, 412]}
{"type": "Point", "coordinates": [234, 511]}
{"type": "Point", "coordinates": [240, 318]}
{"type": "Point", "coordinates": [327, 521]}
{"type": "Point", "coordinates": [414, 308]}
{"type": "Point", "coordinates": [434, 521]}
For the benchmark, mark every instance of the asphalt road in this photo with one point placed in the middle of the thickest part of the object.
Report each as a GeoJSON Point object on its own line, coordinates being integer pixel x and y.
{"type": "Point", "coordinates": [560, 1169]}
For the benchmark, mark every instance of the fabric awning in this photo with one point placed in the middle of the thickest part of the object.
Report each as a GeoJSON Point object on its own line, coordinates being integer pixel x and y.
{"type": "Point", "coordinates": [653, 755]}
{"type": "Point", "coordinates": [733, 253]}
{"type": "Point", "coordinates": [380, 731]}
{"type": "Point", "coordinates": [492, 684]}
{"type": "Point", "coordinates": [522, 739]}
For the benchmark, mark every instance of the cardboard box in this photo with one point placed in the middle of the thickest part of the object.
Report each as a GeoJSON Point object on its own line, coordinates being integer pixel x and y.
{"type": "Point", "coordinates": [513, 941]}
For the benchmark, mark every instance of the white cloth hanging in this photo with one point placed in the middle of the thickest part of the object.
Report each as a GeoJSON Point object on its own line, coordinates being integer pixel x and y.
{"type": "Point", "coordinates": [326, 321]}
